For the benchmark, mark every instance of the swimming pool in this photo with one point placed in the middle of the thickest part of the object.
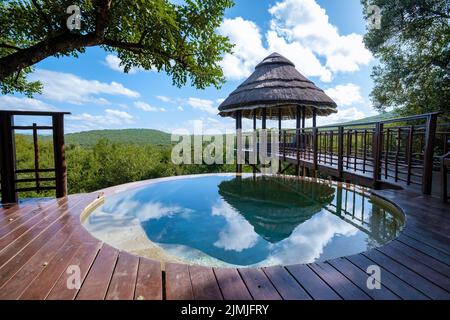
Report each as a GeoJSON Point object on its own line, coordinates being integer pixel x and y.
{"type": "Point", "coordinates": [248, 221]}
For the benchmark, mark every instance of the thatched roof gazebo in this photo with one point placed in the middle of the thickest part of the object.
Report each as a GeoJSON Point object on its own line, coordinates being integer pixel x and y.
{"type": "Point", "coordinates": [276, 91]}
{"type": "Point", "coordinates": [277, 88]}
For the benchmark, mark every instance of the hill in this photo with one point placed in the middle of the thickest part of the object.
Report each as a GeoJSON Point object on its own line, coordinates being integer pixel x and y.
{"type": "Point", "coordinates": [378, 117]}
{"type": "Point", "coordinates": [127, 136]}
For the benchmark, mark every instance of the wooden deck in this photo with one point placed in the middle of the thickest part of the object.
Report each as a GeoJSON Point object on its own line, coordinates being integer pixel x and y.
{"type": "Point", "coordinates": [39, 241]}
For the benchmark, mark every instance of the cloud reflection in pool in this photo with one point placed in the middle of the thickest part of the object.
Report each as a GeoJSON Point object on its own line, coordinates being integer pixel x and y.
{"type": "Point", "coordinates": [251, 221]}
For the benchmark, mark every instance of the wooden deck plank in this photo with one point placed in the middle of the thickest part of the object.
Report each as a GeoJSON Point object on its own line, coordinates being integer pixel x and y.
{"type": "Point", "coordinates": [83, 258]}
{"type": "Point", "coordinates": [41, 286]}
{"type": "Point", "coordinates": [286, 284]}
{"type": "Point", "coordinates": [344, 287]}
{"type": "Point", "coordinates": [178, 282]}
{"type": "Point", "coordinates": [312, 283]}
{"type": "Point", "coordinates": [426, 249]}
{"type": "Point", "coordinates": [259, 285]}
{"type": "Point", "coordinates": [149, 280]}
{"type": "Point", "coordinates": [429, 238]}
{"type": "Point", "coordinates": [12, 221]}
{"type": "Point", "coordinates": [422, 257]}
{"type": "Point", "coordinates": [97, 281]}
{"type": "Point", "coordinates": [29, 230]}
{"type": "Point", "coordinates": [393, 283]}
{"type": "Point", "coordinates": [204, 283]}
{"type": "Point", "coordinates": [412, 278]}
{"type": "Point", "coordinates": [417, 266]}
{"type": "Point", "coordinates": [123, 282]}
{"type": "Point", "coordinates": [231, 284]}
{"type": "Point", "coordinates": [16, 278]}
{"type": "Point", "coordinates": [359, 278]}
{"type": "Point", "coordinates": [14, 261]}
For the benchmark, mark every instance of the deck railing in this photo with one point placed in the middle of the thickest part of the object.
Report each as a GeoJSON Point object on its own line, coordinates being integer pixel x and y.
{"type": "Point", "coordinates": [403, 150]}
{"type": "Point", "coordinates": [14, 179]}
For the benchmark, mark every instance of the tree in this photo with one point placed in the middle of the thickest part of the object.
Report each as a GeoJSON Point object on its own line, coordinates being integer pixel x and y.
{"type": "Point", "coordinates": [179, 39]}
{"type": "Point", "coordinates": [413, 48]}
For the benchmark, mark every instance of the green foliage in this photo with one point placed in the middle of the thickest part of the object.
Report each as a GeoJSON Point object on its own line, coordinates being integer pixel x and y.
{"type": "Point", "coordinates": [104, 164]}
{"type": "Point", "coordinates": [413, 48]}
{"type": "Point", "coordinates": [177, 38]}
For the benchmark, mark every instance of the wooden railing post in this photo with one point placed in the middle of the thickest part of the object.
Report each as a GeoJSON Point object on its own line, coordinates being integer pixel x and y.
{"type": "Point", "coordinates": [315, 148]}
{"type": "Point", "coordinates": [59, 154]}
{"type": "Point", "coordinates": [341, 152]}
{"type": "Point", "coordinates": [7, 158]}
{"type": "Point", "coordinates": [377, 153]}
{"type": "Point", "coordinates": [430, 136]}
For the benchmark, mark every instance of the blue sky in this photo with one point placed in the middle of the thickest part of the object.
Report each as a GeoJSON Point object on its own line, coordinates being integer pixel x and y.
{"type": "Point", "coordinates": [322, 37]}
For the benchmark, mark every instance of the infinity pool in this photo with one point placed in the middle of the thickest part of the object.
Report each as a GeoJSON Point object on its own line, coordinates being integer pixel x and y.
{"type": "Point", "coordinates": [224, 220]}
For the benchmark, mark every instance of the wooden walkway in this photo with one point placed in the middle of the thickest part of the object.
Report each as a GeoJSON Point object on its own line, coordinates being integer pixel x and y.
{"type": "Point", "coordinates": [40, 241]}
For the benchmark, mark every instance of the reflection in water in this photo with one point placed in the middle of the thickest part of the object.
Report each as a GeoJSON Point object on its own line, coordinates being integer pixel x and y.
{"type": "Point", "coordinates": [252, 221]}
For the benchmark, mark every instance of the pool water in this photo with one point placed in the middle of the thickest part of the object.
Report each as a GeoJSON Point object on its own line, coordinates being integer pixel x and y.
{"type": "Point", "coordinates": [224, 220]}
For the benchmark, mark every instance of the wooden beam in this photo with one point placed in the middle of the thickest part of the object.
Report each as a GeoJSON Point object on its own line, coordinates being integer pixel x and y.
{"type": "Point", "coordinates": [378, 150]}
{"type": "Point", "coordinates": [341, 152]}
{"type": "Point", "coordinates": [303, 117]}
{"type": "Point", "coordinates": [279, 138]}
{"type": "Point", "coordinates": [36, 156]}
{"type": "Point", "coordinates": [239, 142]}
{"type": "Point", "coordinates": [8, 158]}
{"type": "Point", "coordinates": [256, 144]}
{"type": "Point", "coordinates": [430, 136]}
{"type": "Point", "coordinates": [298, 119]}
{"type": "Point", "coordinates": [60, 156]}
{"type": "Point", "coordinates": [264, 118]}
{"type": "Point", "coordinates": [314, 117]}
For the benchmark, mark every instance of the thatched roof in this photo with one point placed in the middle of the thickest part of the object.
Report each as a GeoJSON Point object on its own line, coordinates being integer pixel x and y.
{"type": "Point", "coordinates": [281, 205]}
{"type": "Point", "coordinates": [275, 85]}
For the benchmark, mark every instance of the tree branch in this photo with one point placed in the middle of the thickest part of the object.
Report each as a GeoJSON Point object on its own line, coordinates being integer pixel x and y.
{"type": "Point", "coordinates": [43, 15]}
{"type": "Point", "coordinates": [23, 58]}
{"type": "Point", "coordinates": [8, 46]}
{"type": "Point", "coordinates": [140, 49]}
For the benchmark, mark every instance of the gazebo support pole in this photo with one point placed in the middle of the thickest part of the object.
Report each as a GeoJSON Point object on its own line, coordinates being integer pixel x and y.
{"type": "Point", "coordinates": [314, 124]}
{"type": "Point", "coordinates": [279, 139]}
{"type": "Point", "coordinates": [239, 142]}
{"type": "Point", "coordinates": [298, 119]}
{"type": "Point", "coordinates": [256, 142]}
{"type": "Point", "coordinates": [304, 137]}
{"type": "Point", "coordinates": [264, 118]}
{"type": "Point", "coordinates": [314, 117]}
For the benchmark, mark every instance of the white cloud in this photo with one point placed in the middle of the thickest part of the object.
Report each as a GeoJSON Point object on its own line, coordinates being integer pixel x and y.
{"type": "Point", "coordinates": [248, 50]}
{"type": "Point", "coordinates": [203, 105]}
{"type": "Point", "coordinates": [67, 87]}
{"type": "Point", "coordinates": [87, 121]}
{"type": "Point", "coordinates": [345, 115]}
{"type": "Point", "coordinates": [345, 95]}
{"type": "Point", "coordinates": [165, 99]}
{"type": "Point", "coordinates": [113, 62]}
{"type": "Point", "coordinates": [146, 107]}
{"type": "Point", "coordinates": [24, 104]}
{"type": "Point", "coordinates": [305, 22]}
{"type": "Point", "coordinates": [303, 57]}
{"type": "Point", "coordinates": [299, 30]}
{"type": "Point", "coordinates": [180, 108]}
